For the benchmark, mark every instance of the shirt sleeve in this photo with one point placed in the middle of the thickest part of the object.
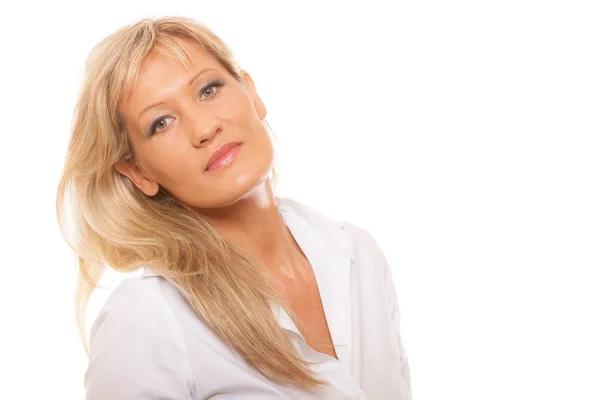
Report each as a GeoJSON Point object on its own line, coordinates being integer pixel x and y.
{"type": "Point", "coordinates": [134, 353]}
{"type": "Point", "coordinates": [395, 310]}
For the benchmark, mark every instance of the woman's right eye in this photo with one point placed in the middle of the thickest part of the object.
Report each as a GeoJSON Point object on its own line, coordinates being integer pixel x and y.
{"type": "Point", "coordinates": [159, 125]}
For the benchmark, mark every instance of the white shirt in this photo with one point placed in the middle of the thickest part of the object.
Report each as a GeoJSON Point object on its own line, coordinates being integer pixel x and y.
{"type": "Point", "coordinates": [147, 342]}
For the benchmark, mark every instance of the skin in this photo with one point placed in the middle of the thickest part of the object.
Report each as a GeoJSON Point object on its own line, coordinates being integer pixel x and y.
{"type": "Point", "coordinates": [193, 121]}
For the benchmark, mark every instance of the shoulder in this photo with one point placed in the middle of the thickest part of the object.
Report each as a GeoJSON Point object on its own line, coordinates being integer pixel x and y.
{"type": "Point", "coordinates": [367, 253]}
{"type": "Point", "coordinates": [140, 308]}
{"type": "Point", "coordinates": [136, 302]}
{"type": "Point", "coordinates": [136, 344]}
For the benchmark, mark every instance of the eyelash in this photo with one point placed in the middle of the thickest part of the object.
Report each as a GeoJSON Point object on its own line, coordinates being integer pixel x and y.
{"type": "Point", "coordinates": [209, 85]}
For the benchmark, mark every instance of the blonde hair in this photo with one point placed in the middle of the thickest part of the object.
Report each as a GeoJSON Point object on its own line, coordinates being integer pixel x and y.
{"type": "Point", "coordinates": [107, 220]}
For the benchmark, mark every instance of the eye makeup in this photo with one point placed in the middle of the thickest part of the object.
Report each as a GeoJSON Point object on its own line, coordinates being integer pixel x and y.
{"type": "Point", "coordinates": [216, 83]}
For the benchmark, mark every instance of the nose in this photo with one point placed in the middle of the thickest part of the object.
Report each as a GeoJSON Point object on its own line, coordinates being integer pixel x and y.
{"type": "Point", "coordinates": [204, 129]}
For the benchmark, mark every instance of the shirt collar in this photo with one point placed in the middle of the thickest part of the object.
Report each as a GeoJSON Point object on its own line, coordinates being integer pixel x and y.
{"type": "Point", "coordinates": [329, 250]}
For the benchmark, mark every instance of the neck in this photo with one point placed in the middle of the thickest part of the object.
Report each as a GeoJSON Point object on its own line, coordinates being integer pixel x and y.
{"type": "Point", "coordinates": [253, 223]}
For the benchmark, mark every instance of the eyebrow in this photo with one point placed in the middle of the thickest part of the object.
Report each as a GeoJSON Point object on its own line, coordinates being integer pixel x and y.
{"type": "Point", "coordinates": [192, 79]}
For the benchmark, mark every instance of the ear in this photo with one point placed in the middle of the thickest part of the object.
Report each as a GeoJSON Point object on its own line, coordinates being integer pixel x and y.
{"type": "Point", "coordinates": [137, 176]}
{"type": "Point", "coordinates": [259, 106]}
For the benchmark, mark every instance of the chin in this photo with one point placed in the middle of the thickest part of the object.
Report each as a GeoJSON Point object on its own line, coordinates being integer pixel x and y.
{"type": "Point", "coordinates": [232, 187]}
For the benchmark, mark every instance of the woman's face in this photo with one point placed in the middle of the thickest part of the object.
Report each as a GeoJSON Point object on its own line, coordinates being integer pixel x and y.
{"type": "Point", "coordinates": [177, 119]}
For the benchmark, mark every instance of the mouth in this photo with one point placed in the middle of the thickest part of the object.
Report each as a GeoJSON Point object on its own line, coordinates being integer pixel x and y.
{"type": "Point", "coordinates": [223, 156]}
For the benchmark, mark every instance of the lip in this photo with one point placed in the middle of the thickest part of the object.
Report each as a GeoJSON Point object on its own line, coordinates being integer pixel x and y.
{"type": "Point", "coordinates": [223, 156]}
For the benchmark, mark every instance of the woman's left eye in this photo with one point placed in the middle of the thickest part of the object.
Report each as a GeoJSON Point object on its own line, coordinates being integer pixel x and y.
{"type": "Point", "coordinates": [210, 89]}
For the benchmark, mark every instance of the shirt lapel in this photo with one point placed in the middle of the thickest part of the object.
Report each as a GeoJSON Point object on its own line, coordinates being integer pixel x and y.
{"type": "Point", "coordinates": [328, 249]}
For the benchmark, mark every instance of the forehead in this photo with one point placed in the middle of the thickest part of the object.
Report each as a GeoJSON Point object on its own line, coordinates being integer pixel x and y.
{"type": "Point", "coordinates": [162, 74]}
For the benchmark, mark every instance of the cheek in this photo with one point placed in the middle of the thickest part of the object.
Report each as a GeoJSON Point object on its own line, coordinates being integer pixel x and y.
{"type": "Point", "coordinates": [240, 110]}
{"type": "Point", "coordinates": [260, 152]}
{"type": "Point", "coordinates": [172, 164]}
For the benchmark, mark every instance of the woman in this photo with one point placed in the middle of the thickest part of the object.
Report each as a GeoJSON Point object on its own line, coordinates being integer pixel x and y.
{"type": "Point", "coordinates": [244, 295]}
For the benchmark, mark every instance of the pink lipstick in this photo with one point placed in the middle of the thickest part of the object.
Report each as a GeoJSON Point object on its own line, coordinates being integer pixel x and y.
{"type": "Point", "coordinates": [223, 156]}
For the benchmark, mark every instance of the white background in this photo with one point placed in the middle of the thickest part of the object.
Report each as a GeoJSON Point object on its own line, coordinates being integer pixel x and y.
{"type": "Point", "coordinates": [463, 135]}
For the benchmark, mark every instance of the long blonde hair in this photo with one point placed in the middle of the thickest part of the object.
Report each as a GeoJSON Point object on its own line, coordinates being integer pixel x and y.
{"type": "Point", "coordinates": [107, 220]}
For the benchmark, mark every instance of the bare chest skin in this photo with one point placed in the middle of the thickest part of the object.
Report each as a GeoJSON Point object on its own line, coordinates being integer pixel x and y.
{"type": "Point", "coordinates": [302, 294]}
